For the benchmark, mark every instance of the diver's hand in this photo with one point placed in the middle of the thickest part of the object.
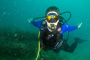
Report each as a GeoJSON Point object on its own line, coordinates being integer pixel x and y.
{"type": "Point", "coordinates": [80, 25]}
{"type": "Point", "coordinates": [29, 20]}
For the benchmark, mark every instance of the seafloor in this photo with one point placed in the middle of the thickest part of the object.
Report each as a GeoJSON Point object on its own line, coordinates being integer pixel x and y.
{"type": "Point", "coordinates": [23, 45]}
{"type": "Point", "coordinates": [20, 45]}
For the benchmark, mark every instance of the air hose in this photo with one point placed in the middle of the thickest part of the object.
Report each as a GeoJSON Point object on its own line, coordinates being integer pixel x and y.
{"type": "Point", "coordinates": [59, 17]}
{"type": "Point", "coordinates": [39, 49]}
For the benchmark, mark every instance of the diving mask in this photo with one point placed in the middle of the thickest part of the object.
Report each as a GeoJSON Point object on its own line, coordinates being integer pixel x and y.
{"type": "Point", "coordinates": [52, 18]}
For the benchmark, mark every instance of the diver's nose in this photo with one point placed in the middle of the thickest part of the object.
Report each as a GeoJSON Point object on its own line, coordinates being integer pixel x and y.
{"type": "Point", "coordinates": [52, 20]}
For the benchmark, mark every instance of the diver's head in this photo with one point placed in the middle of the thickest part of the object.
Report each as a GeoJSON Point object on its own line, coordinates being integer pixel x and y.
{"type": "Point", "coordinates": [52, 18]}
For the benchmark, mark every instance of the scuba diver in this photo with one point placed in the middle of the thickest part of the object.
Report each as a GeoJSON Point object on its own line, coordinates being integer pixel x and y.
{"type": "Point", "coordinates": [52, 29]}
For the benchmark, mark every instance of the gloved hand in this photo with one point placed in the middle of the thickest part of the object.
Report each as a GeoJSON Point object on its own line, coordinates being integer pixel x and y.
{"type": "Point", "coordinates": [80, 25]}
{"type": "Point", "coordinates": [29, 20]}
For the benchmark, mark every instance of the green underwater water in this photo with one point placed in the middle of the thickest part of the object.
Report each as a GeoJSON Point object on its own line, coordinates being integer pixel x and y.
{"type": "Point", "coordinates": [19, 39]}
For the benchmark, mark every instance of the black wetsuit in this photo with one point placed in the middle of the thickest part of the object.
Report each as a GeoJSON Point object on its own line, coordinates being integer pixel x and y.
{"type": "Point", "coordinates": [51, 39]}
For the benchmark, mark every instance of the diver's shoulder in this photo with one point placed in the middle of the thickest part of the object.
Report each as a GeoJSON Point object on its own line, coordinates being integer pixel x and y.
{"type": "Point", "coordinates": [65, 26]}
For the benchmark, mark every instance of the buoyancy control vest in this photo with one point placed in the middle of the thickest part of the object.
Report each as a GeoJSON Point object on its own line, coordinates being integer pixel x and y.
{"type": "Point", "coordinates": [50, 39]}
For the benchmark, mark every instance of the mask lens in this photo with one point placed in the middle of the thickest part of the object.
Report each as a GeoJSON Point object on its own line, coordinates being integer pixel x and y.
{"type": "Point", "coordinates": [54, 17]}
{"type": "Point", "coordinates": [48, 17]}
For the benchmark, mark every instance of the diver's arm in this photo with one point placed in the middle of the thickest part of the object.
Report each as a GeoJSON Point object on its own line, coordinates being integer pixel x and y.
{"type": "Point", "coordinates": [66, 28]}
{"type": "Point", "coordinates": [71, 28]}
{"type": "Point", "coordinates": [37, 24]}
